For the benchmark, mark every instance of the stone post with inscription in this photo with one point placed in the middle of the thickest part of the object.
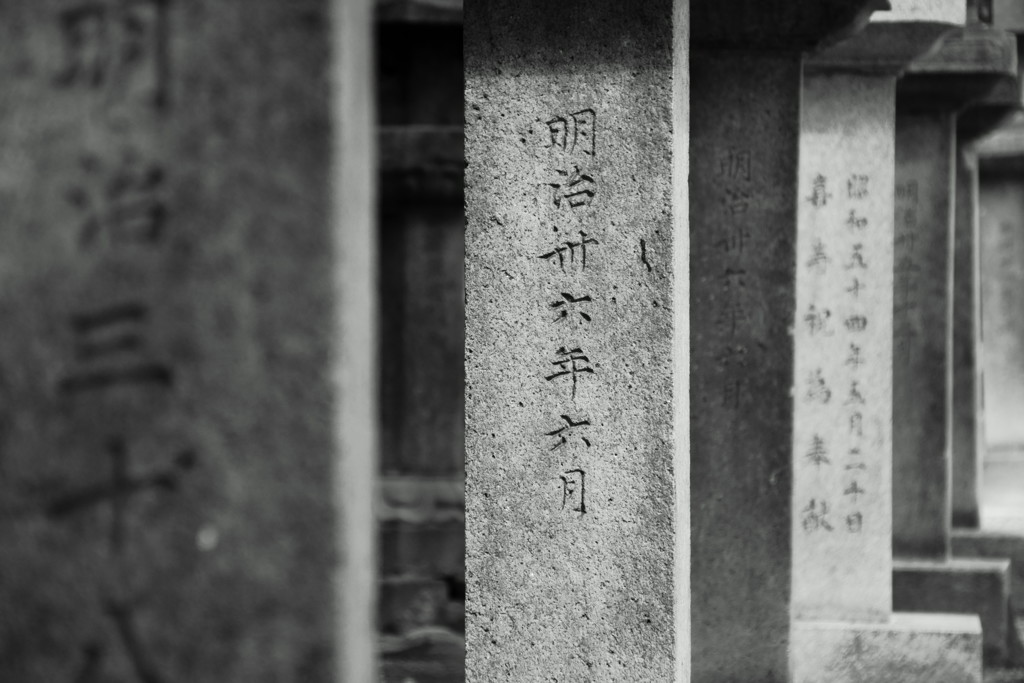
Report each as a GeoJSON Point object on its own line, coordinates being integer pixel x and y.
{"type": "Point", "coordinates": [187, 371]}
{"type": "Point", "coordinates": [967, 65]}
{"type": "Point", "coordinates": [746, 75]}
{"type": "Point", "coordinates": [577, 531]}
{"type": "Point", "coordinates": [845, 629]}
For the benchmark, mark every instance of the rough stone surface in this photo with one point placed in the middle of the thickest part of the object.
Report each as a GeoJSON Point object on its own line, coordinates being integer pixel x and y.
{"type": "Point", "coordinates": [168, 420]}
{"type": "Point", "coordinates": [1002, 294]}
{"type": "Point", "coordinates": [908, 648]}
{"type": "Point", "coordinates": [921, 464]}
{"type": "Point", "coordinates": [745, 128]}
{"type": "Point", "coordinates": [965, 447]}
{"type": "Point", "coordinates": [572, 489]}
{"type": "Point", "coordinates": [959, 586]}
{"type": "Point", "coordinates": [842, 521]}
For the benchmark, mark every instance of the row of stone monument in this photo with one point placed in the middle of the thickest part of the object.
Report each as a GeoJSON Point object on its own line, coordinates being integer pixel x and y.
{"type": "Point", "coordinates": [724, 351]}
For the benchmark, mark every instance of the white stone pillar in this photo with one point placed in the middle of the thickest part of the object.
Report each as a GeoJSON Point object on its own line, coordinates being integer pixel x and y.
{"type": "Point", "coordinates": [845, 629]}
{"type": "Point", "coordinates": [842, 376]}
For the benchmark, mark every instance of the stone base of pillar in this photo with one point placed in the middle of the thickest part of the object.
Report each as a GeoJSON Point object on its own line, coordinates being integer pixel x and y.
{"type": "Point", "coordinates": [995, 545]}
{"type": "Point", "coordinates": [961, 586]}
{"type": "Point", "coordinates": [909, 648]}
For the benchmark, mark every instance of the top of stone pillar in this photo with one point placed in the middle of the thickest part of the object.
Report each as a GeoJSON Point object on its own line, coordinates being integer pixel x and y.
{"type": "Point", "coordinates": [966, 65]}
{"type": "Point", "coordinates": [1003, 148]}
{"type": "Point", "coordinates": [882, 48]}
{"type": "Point", "coordinates": [909, 31]}
{"type": "Point", "coordinates": [997, 107]}
{"type": "Point", "coordinates": [996, 124]}
{"type": "Point", "coordinates": [789, 25]}
{"type": "Point", "coordinates": [1007, 97]}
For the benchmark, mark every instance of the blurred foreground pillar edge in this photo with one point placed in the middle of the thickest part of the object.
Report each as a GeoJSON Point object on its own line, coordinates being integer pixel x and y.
{"type": "Point", "coordinates": [354, 193]}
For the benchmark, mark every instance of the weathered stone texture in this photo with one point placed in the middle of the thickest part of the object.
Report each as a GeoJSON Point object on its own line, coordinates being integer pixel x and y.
{"type": "Point", "coordinates": [909, 648]}
{"type": "Point", "coordinates": [570, 434]}
{"type": "Point", "coordinates": [842, 385]}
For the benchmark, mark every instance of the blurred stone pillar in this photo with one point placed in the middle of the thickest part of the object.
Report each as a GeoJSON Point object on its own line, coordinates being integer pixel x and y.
{"type": "Point", "coordinates": [966, 410]}
{"type": "Point", "coordinates": [965, 68]}
{"type": "Point", "coordinates": [355, 358]}
{"type": "Point", "coordinates": [188, 414]}
{"type": "Point", "coordinates": [998, 246]}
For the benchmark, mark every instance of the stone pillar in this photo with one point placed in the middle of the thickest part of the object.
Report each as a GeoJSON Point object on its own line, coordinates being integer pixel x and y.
{"type": "Point", "coordinates": [966, 438]}
{"type": "Point", "coordinates": [925, 154]}
{"type": "Point", "coordinates": [1002, 363]}
{"type": "Point", "coordinates": [188, 443]}
{"type": "Point", "coordinates": [929, 97]}
{"type": "Point", "coordinates": [842, 375]}
{"type": "Point", "coordinates": [577, 534]}
{"type": "Point", "coordinates": [746, 80]}
{"type": "Point", "coordinates": [968, 64]}
{"type": "Point", "coordinates": [743, 222]}
{"type": "Point", "coordinates": [966, 442]}
{"type": "Point", "coordinates": [845, 629]}
{"type": "Point", "coordinates": [997, 247]}
{"type": "Point", "coordinates": [965, 448]}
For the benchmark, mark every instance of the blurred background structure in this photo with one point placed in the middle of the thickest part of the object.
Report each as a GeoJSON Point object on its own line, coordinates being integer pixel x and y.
{"type": "Point", "coordinates": [420, 110]}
